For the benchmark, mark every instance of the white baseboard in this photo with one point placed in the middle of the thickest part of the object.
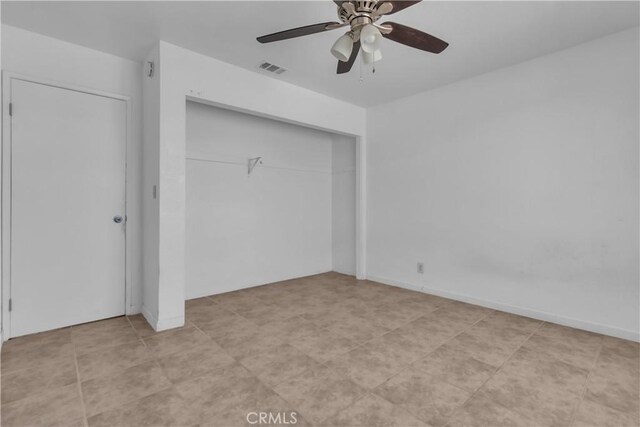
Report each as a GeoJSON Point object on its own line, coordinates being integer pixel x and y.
{"type": "Point", "coordinates": [210, 292]}
{"type": "Point", "coordinates": [522, 311]}
{"type": "Point", "coordinates": [173, 322]}
{"type": "Point", "coordinates": [133, 309]}
{"type": "Point", "coordinates": [346, 273]}
{"type": "Point", "coordinates": [162, 324]}
{"type": "Point", "coordinates": [151, 319]}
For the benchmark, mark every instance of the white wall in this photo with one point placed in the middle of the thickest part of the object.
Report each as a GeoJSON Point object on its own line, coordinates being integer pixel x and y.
{"type": "Point", "coordinates": [42, 57]}
{"type": "Point", "coordinates": [247, 230]}
{"type": "Point", "coordinates": [517, 188]}
{"type": "Point", "coordinates": [1, 246]}
{"type": "Point", "coordinates": [343, 204]}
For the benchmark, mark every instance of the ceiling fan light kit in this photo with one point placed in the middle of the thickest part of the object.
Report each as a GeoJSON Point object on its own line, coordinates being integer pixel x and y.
{"type": "Point", "coordinates": [370, 38]}
{"type": "Point", "coordinates": [365, 32]}
{"type": "Point", "coordinates": [370, 58]}
{"type": "Point", "coordinates": [343, 47]}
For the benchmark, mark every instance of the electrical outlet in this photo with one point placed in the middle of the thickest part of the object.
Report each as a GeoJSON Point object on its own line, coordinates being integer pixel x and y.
{"type": "Point", "coordinates": [421, 268]}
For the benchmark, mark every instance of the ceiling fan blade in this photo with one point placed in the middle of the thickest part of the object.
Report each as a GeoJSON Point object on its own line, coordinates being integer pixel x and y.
{"type": "Point", "coordinates": [345, 67]}
{"type": "Point", "coordinates": [414, 38]}
{"type": "Point", "coordinates": [398, 5]}
{"type": "Point", "coordinates": [299, 32]}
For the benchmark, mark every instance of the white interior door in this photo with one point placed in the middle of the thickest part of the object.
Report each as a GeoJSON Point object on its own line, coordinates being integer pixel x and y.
{"type": "Point", "coordinates": [68, 163]}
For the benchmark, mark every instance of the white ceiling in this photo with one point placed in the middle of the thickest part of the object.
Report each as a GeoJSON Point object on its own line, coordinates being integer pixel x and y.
{"type": "Point", "coordinates": [483, 36]}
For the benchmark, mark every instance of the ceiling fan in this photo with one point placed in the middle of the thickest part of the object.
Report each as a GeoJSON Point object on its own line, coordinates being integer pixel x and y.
{"type": "Point", "coordinates": [365, 33]}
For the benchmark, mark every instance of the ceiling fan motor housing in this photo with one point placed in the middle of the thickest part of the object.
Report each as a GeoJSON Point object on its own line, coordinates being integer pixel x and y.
{"type": "Point", "coordinates": [358, 12]}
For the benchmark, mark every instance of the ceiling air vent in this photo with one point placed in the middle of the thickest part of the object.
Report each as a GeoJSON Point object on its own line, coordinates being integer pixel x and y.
{"type": "Point", "coordinates": [267, 66]}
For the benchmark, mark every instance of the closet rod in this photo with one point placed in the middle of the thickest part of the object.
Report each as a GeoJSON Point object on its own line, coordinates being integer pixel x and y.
{"type": "Point", "coordinates": [244, 164]}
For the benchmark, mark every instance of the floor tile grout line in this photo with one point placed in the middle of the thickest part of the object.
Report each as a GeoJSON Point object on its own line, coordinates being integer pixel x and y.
{"type": "Point", "coordinates": [273, 388]}
{"type": "Point", "coordinates": [270, 387]}
{"type": "Point", "coordinates": [583, 390]}
{"type": "Point", "coordinates": [452, 338]}
{"type": "Point", "coordinates": [494, 373]}
{"type": "Point", "coordinates": [361, 344]}
{"type": "Point", "coordinates": [249, 320]}
{"type": "Point", "coordinates": [353, 402]}
{"type": "Point", "coordinates": [408, 365]}
{"type": "Point", "coordinates": [145, 395]}
{"type": "Point", "coordinates": [144, 343]}
{"type": "Point", "coordinates": [130, 324]}
{"type": "Point", "coordinates": [235, 359]}
{"type": "Point", "coordinates": [284, 342]}
{"type": "Point", "coordinates": [79, 384]}
{"type": "Point", "coordinates": [256, 376]}
{"type": "Point", "coordinates": [321, 363]}
{"type": "Point", "coordinates": [351, 349]}
{"type": "Point", "coordinates": [589, 371]}
{"type": "Point", "coordinates": [224, 350]}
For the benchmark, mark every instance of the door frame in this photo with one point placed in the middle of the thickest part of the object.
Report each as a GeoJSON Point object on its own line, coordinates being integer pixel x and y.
{"type": "Point", "coordinates": [6, 197]}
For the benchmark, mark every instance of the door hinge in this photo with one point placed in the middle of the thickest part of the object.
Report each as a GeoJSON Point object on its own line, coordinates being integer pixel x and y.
{"type": "Point", "coordinates": [11, 109]}
{"type": "Point", "coordinates": [10, 304]}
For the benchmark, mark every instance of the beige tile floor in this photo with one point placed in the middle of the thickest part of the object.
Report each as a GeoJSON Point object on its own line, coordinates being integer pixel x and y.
{"type": "Point", "coordinates": [332, 349]}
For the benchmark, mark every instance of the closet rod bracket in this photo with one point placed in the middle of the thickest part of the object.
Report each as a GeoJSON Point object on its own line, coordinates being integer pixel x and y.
{"type": "Point", "coordinates": [251, 163]}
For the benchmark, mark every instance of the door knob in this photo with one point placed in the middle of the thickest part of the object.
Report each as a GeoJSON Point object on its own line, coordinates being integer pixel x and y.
{"type": "Point", "coordinates": [117, 219]}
